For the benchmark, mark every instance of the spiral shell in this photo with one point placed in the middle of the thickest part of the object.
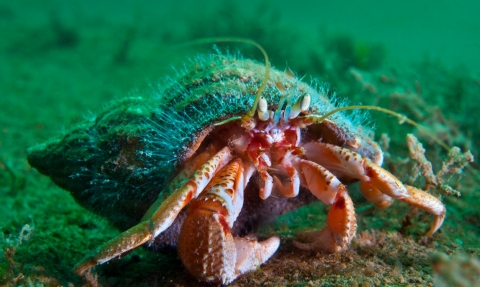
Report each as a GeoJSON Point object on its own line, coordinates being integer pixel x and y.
{"type": "Point", "coordinates": [118, 163]}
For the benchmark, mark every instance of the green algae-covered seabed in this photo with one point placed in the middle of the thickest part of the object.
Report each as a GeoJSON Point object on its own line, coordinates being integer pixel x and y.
{"type": "Point", "coordinates": [61, 62]}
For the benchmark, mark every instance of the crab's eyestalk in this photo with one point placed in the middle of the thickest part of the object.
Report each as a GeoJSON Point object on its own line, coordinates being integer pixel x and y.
{"type": "Point", "coordinates": [302, 105]}
{"type": "Point", "coordinates": [263, 113]}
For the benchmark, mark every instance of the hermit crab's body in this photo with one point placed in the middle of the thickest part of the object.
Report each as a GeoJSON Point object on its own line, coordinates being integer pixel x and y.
{"type": "Point", "coordinates": [221, 168]}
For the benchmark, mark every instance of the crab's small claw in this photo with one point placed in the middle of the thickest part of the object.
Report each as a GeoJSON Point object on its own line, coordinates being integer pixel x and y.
{"type": "Point", "coordinates": [293, 187]}
{"type": "Point", "coordinates": [266, 190]}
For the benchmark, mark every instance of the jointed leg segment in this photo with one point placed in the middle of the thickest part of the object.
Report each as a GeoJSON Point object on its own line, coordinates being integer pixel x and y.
{"type": "Point", "coordinates": [325, 162]}
{"type": "Point", "coordinates": [161, 219]}
{"type": "Point", "coordinates": [340, 229]}
{"type": "Point", "coordinates": [429, 203]}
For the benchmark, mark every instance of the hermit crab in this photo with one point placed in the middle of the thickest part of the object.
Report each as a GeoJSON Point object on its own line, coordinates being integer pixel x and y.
{"type": "Point", "coordinates": [224, 147]}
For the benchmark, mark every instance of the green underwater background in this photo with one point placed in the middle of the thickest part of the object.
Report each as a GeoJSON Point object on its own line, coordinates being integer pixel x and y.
{"type": "Point", "coordinates": [62, 62]}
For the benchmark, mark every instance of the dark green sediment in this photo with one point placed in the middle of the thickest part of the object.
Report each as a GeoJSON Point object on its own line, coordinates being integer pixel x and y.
{"type": "Point", "coordinates": [59, 62]}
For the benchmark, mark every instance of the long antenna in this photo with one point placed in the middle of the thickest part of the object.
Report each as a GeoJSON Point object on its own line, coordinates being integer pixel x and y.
{"type": "Point", "coordinates": [251, 112]}
{"type": "Point", "coordinates": [401, 117]}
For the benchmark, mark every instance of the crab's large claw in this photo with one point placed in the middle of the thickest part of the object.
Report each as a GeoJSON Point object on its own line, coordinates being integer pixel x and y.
{"type": "Point", "coordinates": [161, 218]}
{"type": "Point", "coordinates": [206, 245]}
